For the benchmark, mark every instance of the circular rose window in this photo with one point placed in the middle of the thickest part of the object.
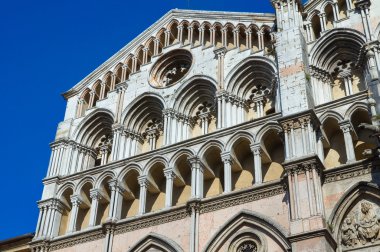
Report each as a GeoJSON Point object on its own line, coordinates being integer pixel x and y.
{"type": "Point", "coordinates": [170, 68]}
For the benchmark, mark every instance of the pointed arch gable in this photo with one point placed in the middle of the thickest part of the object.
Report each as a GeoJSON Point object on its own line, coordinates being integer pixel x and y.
{"type": "Point", "coordinates": [252, 219]}
{"type": "Point", "coordinates": [360, 190]}
{"type": "Point", "coordinates": [156, 241]}
{"type": "Point", "coordinates": [237, 136]}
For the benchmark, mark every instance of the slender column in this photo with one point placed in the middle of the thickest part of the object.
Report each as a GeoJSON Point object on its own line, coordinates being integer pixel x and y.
{"type": "Point", "coordinates": [190, 34]}
{"type": "Point", "coordinates": [102, 90]}
{"type": "Point", "coordinates": [336, 11]}
{"type": "Point", "coordinates": [346, 127]}
{"type": "Point", "coordinates": [76, 202]}
{"type": "Point", "coordinates": [220, 53]}
{"type": "Point", "coordinates": [156, 47]}
{"type": "Point", "coordinates": [170, 175]}
{"type": "Point", "coordinates": [95, 198]}
{"type": "Point", "coordinates": [219, 119]}
{"type": "Point", "coordinates": [167, 38]}
{"type": "Point", "coordinates": [236, 37]}
{"type": "Point", "coordinates": [80, 107]}
{"type": "Point", "coordinates": [197, 176]}
{"type": "Point", "coordinates": [260, 37]}
{"type": "Point", "coordinates": [143, 182]}
{"type": "Point", "coordinates": [322, 20]}
{"type": "Point", "coordinates": [224, 37]}
{"type": "Point", "coordinates": [256, 150]}
{"type": "Point", "coordinates": [145, 55]}
{"type": "Point", "coordinates": [248, 34]}
{"type": "Point", "coordinates": [180, 34]}
{"type": "Point", "coordinates": [227, 161]}
{"type": "Point", "coordinates": [201, 35]}
{"type": "Point", "coordinates": [212, 36]}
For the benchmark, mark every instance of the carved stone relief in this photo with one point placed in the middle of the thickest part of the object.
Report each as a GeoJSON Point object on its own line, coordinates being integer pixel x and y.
{"type": "Point", "coordinates": [361, 226]}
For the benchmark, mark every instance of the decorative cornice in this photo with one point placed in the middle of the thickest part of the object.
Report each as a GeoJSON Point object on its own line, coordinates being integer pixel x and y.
{"type": "Point", "coordinates": [300, 165]}
{"type": "Point", "coordinates": [352, 170]}
{"type": "Point", "coordinates": [255, 193]}
{"type": "Point", "coordinates": [75, 239]}
{"type": "Point", "coordinates": [150, 220]}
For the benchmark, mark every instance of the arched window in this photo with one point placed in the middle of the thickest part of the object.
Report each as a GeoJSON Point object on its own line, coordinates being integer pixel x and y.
{"type": "Point", "coordinates": [316, 26]}
{"type": "Point", "coordinates": [195, 39]}
{"type": "Point", "coordinates": [242, 38]}
{"type": "Point", "coordinates": [342, 6]}
{"type": "Point", "coordinates": [173, 37]}
{"type": "Point", "coordinates": [272, 155]}
{"type": "Point", "coordinates": [130, 205]}
{"type": "Point", "coordinates": [230, 43]}
{"type": "Point", "coordinates": [182, 183]}
{"type": "Point", "coordinates": [333, 144]}
{"type": "Point", "coordinates": [243, 167]}
{"type": "Point", "coordinates": [218, 36]}
{"type": "Point", "coordinates": [329, 11]}
{"type": "Point", "coordinates": [64, 222]}
{"type": "Point", "coordinates": [155, 199]}
{"type": "Point", "coordinates": [213, 174]}
{"type": "Point", "coordinates": [83, 215]}
{"type": "Point", "coordinates": [206, 35]}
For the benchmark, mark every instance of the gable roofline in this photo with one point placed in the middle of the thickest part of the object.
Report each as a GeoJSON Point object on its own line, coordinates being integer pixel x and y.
{"type": "Point", "coordinates": [140, 39]}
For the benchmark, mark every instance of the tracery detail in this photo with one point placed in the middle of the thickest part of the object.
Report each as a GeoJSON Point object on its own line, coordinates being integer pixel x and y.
{"type": "Point", "coordinates": [247, 246]}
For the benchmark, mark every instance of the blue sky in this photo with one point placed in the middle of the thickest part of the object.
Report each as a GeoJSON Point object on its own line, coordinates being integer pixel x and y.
{"type": "Point", "coordinates": [46, 47]}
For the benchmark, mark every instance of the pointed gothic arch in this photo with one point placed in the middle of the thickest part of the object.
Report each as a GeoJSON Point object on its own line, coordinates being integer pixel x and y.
{"type": "Point", "coordinates": [155, 242]}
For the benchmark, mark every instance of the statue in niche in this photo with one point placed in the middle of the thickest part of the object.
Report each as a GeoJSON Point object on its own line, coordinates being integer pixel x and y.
{"type": "Point", "coordinates": [368, 226]}
{"type": "Point", "coordinates": [361, 227]}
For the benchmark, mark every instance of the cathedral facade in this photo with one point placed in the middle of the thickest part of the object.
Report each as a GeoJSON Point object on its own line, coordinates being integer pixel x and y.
{"type": "Point", "coordinates": [220, 131]}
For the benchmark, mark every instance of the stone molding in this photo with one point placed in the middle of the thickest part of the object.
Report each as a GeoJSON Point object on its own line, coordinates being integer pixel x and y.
{"type": "Point", "coordinates": [262, 191]}
{"type": "Point", "coordinates": [75, 239]}
{"type": "Point", "coordinates": [351, 170]}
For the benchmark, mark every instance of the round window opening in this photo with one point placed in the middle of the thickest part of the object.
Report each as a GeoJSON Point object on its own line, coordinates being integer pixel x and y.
{"type": "Point", "coordinates": [171, 68]}
{"type": "Point", "coordinates": [247, 246]}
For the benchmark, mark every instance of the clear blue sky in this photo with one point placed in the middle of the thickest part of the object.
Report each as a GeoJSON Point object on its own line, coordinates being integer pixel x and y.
{"type": "Point", "coordinates": [46, 47]}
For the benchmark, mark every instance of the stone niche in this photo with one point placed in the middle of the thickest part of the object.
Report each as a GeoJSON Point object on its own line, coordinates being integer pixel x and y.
{"type": "Point", "coordinates": [170, 68]}
{"type": "Point", "coordinates": [359, 229]}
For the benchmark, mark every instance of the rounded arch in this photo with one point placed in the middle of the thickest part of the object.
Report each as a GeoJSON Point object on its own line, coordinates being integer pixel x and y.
{"type": "Point", "coordinates": [171, 23]}
{"type": "Point", "coordinates": [312, 14]}
{"type": "Point", "coordinates": [62, 189]}
{"type": "Point", "coordinates": [153, 161]}
{"type": "Point", "coordinates": [330, 114]}
{"type": "Point", "coordinates": [251, 219]}
{"type": "Point", "coordinates": [155, 241]}
{"type": "Point", "coordinates": [354, 107]}
{"type": "Point", "coordinates": [359, 191]}
{"type": "Point", "coordinates": [265, 128]}
{"type": "Point", "coordinates": [137, 110]}
{"type": "Point", "coordinates": [336, 44]}
{"type": "Point", "coordinates": [324, 4]}
{"type": "Point", "coordinates": [189, 152]}
{"type": "Point", "coordinates": [249, 71]}
{"type": "Point", "coordinates": [128, 168]}
{"type": "Point", "coordinates": [82, 182]}
{"type": "Point", "coordinates": [242, 134]}
{"type": "Point", "coordinates": [211, 143]}
{"type": "Point", "coordinates": [93, 125]}
{"type": "Point", "coordinates": [103, 177]}
{"type": "Point", "coordinates": [192, 93]}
